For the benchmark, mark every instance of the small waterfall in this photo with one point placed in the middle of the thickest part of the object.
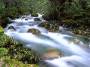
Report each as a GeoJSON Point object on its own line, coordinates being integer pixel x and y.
{"type": "Point", "coordinates": [75, 54]}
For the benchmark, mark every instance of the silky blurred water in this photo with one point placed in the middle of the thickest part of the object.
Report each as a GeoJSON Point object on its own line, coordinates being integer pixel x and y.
{"type": "Point", "coordinates": [74, 48]}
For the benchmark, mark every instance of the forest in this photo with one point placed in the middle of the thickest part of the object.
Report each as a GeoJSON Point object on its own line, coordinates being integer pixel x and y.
{"type": "Point", "coordinates": [71, 14]}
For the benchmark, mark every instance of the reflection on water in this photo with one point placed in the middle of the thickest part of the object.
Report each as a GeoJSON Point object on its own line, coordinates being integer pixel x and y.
{"type": "Point", "coordinates": [74, 49]}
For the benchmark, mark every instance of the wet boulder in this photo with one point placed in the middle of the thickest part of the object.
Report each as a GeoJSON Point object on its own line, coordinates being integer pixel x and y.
{"type": "Point", "coordinates": [51, 27]}
{"type": "Point", "coordinates": [12, 28]}
{"type": "Point", "coordinates": [51, 54]}
{"type": "Point", "coordinates": [34, 31]}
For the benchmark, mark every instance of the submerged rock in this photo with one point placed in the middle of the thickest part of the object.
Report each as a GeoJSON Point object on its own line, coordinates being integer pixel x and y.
{"type": "Point", "coordinates": [11, 28]}
{"type": "Point", "coordinates": [51, 54]}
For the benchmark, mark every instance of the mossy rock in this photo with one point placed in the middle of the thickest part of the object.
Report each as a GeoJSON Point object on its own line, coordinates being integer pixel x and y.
{"type": "Point", "coordinates": [51, 27]}
{"type": "Point", "coordinates": [34, 31]}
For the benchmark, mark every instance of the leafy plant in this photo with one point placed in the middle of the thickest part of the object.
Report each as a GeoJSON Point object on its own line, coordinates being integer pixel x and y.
{"type": "Point", "coordinates": [1, 29]}
{"type": "Point", "coordinates": [15, 50]}
{"type": "Point", "coordinates": [3, 52]}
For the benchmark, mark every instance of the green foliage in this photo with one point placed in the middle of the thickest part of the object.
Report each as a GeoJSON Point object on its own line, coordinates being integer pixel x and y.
{"type": "Point", "coordinates": [74, 14]}
{"type": "Point", "coordinates": [10, 47]}
{"type": "Point", "coordinates": [1, 29]}
{"type": "Point", "coordinates": [14, 52]}
{"type": "Point", "coordinates": [74, 8]}
{"type": "Point", "coordinates": [1, 7]}
{"type": "Point", "coordinates": [7, 61]}
{"type": "Point", "coordinates": [3, 40]}
{"type": "Point", "coordinates": [3, 52]}
{"type": "Point", "coordinates": [40, 6]}
{"type": "Point", "coordinates": [23, 54]}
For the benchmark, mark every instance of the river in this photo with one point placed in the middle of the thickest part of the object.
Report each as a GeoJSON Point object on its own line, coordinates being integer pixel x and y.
{"type": "Point", "coordinates": [76, 51]}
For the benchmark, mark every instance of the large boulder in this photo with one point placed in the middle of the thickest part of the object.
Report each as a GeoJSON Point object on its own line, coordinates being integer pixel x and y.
{"type": "Point", "coordinates": [50, 26]}
{"type": "Point", "coordinates": [34, 31]}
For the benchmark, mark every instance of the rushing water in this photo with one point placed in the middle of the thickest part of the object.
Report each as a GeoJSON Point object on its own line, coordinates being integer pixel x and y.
{"type": "Point", "coordinates": [75, 52]}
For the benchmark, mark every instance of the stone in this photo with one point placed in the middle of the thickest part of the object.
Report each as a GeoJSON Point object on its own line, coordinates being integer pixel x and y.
{"type": "Point", "coordinates": [51, 53]}
{"type": "Point", "coordinates": [34, 31]}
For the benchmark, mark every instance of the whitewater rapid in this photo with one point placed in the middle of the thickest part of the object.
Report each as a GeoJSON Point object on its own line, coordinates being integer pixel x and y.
{"type": "Point", "coordinates": [74, 53]}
